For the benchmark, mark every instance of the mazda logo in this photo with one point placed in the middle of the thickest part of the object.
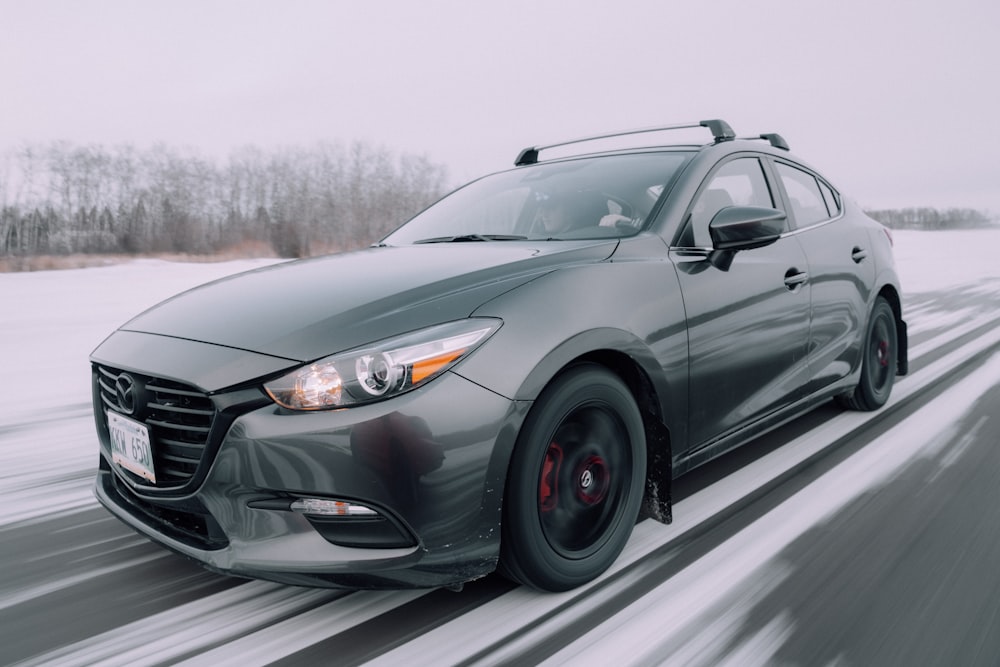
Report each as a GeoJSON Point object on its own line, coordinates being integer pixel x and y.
{"type": "Point", "coordinates": [125, 391]}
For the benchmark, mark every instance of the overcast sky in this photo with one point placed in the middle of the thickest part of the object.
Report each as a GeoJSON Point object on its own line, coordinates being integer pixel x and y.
{"type": "Point", "coordinates": [897, 102]}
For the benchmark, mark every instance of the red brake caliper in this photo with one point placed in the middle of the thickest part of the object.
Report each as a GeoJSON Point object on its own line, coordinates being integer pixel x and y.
{"type": "Point", "coordinates": [548, 487]}
{"type": "Point", "coordinates": [883, 353]}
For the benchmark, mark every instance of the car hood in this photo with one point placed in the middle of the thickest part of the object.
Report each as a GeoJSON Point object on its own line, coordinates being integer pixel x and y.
{"type": "Point", "coordinates": [311, 308]}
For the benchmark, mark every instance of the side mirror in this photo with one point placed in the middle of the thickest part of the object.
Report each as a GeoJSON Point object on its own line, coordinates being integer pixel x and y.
{"type": "Point", "coordinates": [746, 227]}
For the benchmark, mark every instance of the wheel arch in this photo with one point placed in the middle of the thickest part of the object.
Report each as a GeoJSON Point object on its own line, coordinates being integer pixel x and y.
{"type": "Point", "coordinates": [656, 502]}
{"type": "Point", "coordinates": [649, 391]}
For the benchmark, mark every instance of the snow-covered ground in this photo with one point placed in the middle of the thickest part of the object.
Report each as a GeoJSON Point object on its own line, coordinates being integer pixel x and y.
{"type": "Point", "coordinates": [931, 261]}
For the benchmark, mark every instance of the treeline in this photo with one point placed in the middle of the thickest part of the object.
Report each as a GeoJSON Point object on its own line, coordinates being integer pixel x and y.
{"type": "Point", "coordinates": [932, 218]}
{"type": "Point", "coordinates": [63, 199]}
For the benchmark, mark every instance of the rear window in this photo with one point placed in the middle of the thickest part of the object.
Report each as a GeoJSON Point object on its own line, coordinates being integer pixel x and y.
{"type": "Point", "coordinates": [831, 199]}
{"type": "Point", "coordinates": [802, 188]}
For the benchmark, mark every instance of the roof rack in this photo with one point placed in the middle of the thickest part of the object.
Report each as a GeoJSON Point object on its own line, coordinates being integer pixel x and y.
{"type": "Point", "coordinates": [775, 140]}
{"type": "Point", "coordinates": [720, 131]}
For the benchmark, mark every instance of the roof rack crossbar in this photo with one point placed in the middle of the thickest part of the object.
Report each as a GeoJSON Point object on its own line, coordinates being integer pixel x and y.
{"type": "Point", "coordinates": [720, 131]}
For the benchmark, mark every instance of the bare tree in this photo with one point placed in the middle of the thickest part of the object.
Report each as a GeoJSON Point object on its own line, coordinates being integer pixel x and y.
{"type": "Point", "coordinates": [61, 198]}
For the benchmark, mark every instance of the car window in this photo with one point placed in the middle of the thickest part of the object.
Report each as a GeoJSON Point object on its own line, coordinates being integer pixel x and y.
{"type": "Point", "coordinates": [606, 196]}
{"type": "Point", "coordinates": [739, 182]}
{"type": "Point", "coordinates": [802, 188]}
{"type": "Point", "coordinates": [832, 202]}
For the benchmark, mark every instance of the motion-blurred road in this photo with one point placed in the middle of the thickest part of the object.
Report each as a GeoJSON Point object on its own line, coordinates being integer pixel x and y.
{"type": "Point", "coordinates": [840, 539]}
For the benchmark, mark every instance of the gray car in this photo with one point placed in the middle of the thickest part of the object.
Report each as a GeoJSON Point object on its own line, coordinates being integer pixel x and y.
{"type": "Point", "coordinates": [509, 380]}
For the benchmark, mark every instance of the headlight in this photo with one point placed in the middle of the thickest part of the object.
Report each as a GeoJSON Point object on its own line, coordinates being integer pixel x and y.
{"type": "Point", "coordinates": [381, 370]}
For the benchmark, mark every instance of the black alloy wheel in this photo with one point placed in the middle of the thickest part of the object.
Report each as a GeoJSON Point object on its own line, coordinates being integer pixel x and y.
{"type": "Point", "coordinates": [575, 482]}
{"type": "Point", "coordinates": [878, 365]}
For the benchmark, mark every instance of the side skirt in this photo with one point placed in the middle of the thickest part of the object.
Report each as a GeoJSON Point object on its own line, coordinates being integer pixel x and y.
{"type": "Point", "coordinates": [728, 442]}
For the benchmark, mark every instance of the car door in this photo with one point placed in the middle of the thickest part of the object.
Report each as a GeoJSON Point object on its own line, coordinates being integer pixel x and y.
{"type": "Point", "coordinates": [841, 272]}
{"type": "Point", "coordinates": [748, 325]}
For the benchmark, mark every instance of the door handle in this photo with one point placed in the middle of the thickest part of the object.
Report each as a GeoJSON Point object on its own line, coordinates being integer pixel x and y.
{"type": "Point", "coordinates": [858, 254]}
{"type": "Point", "coordinates": [794, 279]}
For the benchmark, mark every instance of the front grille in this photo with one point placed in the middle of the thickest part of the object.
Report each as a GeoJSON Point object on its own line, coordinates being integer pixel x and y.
{"type": "Point", "coordinates": [179, 418]}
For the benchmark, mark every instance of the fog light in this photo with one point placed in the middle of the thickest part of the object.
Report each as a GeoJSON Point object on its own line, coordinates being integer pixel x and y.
{"type": "Point", "coordinates": [324, 507]}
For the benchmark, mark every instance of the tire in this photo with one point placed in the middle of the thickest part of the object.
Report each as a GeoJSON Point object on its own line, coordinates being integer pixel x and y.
{"type": "Point", "coordinates": [878, 363]}
{"type": "Point", "coordinates": [575, 483]}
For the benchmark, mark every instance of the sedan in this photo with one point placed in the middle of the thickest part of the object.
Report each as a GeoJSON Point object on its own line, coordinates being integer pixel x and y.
{"type": "Point", "coordinates": [510, 380]}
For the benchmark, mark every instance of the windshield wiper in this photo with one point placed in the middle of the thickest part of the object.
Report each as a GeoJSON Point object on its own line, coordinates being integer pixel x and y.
{"type": "Point", "coordinates": [473, 237]}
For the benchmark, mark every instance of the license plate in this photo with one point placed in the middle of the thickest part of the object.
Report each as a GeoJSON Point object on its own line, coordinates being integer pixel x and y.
{"type": "Point", "coordinates": [130, 445]}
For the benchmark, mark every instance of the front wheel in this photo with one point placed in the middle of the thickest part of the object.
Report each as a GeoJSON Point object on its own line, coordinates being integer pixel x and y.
{"type": "Point", "coordinates": [575, 482]}
{"type": "Point", "coordinates": [878, 363]}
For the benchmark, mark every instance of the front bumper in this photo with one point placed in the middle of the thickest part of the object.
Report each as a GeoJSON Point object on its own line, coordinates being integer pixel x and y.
{"type": "Point", "coordinates": [432, 463]}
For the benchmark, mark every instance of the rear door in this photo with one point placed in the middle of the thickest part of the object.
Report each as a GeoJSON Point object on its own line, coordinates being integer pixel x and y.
{"type": "Point", "coordinates": [841, 272]}
{"type": "Point", "coordinates": [748, 326]}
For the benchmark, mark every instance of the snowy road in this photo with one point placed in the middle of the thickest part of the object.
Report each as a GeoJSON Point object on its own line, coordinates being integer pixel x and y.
{"type": "Point", "coordinates": [841, 538]}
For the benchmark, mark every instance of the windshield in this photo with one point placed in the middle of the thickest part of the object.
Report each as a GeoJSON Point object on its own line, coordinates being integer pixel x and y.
{"type": "Point", "coordinates": [595, 197]}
